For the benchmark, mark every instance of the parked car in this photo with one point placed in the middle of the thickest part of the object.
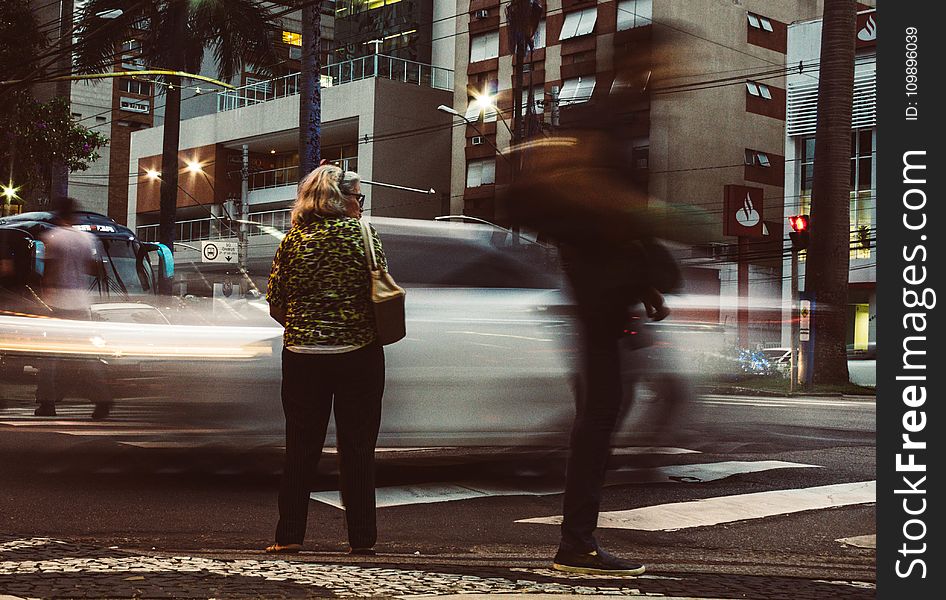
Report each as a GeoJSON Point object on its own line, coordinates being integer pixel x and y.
{"type": "Point", "coordinates": [862, 365]}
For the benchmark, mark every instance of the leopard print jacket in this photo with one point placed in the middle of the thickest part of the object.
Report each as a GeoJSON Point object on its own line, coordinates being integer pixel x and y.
{"type": "Point", "coordinates": [320, 278]}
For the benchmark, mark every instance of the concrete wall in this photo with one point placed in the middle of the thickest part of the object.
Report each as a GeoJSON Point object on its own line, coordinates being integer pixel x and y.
{"type": "Point", "coordinates": [405, 158]}
{"type": "Point", "coordinates": [92, 108]}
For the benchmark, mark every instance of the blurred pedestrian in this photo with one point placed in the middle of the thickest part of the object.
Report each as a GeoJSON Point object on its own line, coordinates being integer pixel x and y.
{"type": "Point", "coordinates": [70, 269]}
{"type": "Point", "coordinates": [574, 192]}
{"type": "Point", "coordinates": [319, 291]}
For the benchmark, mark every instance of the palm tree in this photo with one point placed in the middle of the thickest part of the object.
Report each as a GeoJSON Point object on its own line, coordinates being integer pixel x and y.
{"type": "Point", "coordinates": [829, 252]}
{"type": "Point", "coordinates": [174, 35]}
{"type": "Point", "coordinates": [59, 176]}
{"type": "Point", "coordinates": [310, 89]}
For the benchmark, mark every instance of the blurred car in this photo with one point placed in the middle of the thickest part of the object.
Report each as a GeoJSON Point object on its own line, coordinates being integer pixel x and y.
{"type": "Point", "coordinates": [779, 360]}
{"type": "Point", "coordinates": [489, 357]}
{"type": "Point", "coordinates": [128, 312]}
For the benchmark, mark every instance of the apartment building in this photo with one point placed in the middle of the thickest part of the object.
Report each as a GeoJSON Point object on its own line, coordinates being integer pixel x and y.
{"type": "Point", "coordinates": [115, 107]}
{"type": "Point", "coordinates": [379, 117]}
{"type": "Point", "coordinates": [710, 134]}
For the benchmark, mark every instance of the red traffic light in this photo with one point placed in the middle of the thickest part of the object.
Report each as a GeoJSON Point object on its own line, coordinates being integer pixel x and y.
{"type": "Point", "coordinates": [799, 222]}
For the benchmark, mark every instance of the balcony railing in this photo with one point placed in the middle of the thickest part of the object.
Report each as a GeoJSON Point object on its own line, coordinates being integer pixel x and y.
{"type": "Point", "coordinates": [214, 229]}
{"type": "Point", "coordinates": [366, 67]}
{"type": "Point", "coordinates": [273, 178]}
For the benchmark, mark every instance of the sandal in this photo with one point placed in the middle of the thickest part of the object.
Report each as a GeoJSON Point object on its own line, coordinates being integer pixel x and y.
{"type": "Point", "coordinates": [283, 548]}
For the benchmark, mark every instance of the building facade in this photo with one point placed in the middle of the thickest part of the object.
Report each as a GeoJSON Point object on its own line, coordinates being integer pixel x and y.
{"type": "Point", "coordinates": [709, 134]}
{"type": "Point", "coordinates": [114, 107]}
{"type": "Point", "coordinates": [804, 51]}
{"type": "Point", "coordinates": [379, 117]}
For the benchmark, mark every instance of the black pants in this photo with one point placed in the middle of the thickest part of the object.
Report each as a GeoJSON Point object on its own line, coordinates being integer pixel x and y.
{"type": "Point", "coordinates": [598, 405]}
{"type": "Point", "coordinates": [354, 381]}
{"type": "Point", "coordinates": [63, 377]}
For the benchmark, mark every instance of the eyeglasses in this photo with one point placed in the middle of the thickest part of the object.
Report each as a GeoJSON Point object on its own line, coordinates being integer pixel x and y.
{"type": "Point", "coordinates": [361, 199]}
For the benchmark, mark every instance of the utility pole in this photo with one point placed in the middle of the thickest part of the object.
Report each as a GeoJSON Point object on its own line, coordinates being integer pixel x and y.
{"type": "Point", "coordinates": [555, 114]}
{"type": "Point", "coordinates": [244, 207]}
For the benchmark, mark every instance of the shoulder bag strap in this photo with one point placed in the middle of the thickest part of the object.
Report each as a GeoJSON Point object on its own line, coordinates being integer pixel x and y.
{"type": "Point", "coordinates": [369, 246]}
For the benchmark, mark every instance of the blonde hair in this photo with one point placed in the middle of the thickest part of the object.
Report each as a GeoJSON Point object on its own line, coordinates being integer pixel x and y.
{"type": "Point", "coordinates": [322, 194]}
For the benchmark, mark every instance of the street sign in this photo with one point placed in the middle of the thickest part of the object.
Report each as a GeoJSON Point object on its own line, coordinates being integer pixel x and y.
{"type": "Point", "coordinates": [219, 252]}
{"type": "Point", "coordinates": [804, 320]}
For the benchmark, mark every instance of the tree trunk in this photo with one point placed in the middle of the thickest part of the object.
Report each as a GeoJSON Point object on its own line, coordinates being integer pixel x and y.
{"type": "Point", "coordinates": [310, 92]}
{"type": "Point", "coordinates": [829, 253]}
{"type": "Point", "coordinates": [170, 163]}
{"type": "Point", "coordinates": [59, 171]}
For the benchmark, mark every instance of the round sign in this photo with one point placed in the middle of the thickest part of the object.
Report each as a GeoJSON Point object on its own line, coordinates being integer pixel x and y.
{"type": "Point", "coordinates": [211, 251]}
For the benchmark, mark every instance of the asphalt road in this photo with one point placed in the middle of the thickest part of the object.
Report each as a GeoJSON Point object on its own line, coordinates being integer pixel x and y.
{"type": "Point", "coordinates": [785, 491]}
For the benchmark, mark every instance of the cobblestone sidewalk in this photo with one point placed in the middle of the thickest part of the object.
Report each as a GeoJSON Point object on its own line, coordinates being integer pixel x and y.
{"type": "Point", "coordinates": [49, 568]}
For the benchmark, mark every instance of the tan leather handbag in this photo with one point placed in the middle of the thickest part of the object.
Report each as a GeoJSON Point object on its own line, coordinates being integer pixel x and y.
{"type": "Point", "coordinates": [387, 297]}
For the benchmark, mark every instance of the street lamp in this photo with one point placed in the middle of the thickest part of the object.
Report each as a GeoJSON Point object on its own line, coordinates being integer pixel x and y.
{"type": "Point", "coordinates": [152, 174]}
{"type": "Point", "coordinates": [452, 111]}
{"type": "Point", "coordinates": [488, 101]}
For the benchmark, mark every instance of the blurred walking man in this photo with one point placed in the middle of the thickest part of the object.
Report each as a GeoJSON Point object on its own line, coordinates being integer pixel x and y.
{"type": "Point", "coordinates": [69, 269]}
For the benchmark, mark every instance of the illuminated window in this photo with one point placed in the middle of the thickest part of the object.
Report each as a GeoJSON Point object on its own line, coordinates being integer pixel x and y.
{"type": "Point", "coordinates": [292, 38]}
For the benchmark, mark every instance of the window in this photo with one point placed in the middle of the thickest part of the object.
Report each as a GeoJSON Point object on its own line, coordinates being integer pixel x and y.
{"type": "Point", "coordinates": [538, 40]}
{"type": "Point", "coordinates": [538, 99]}
{"type": "Point", "coordinates": [133, 86]}
{"type": "Point", "coordinates": [863, 234]}
{"type": "Point", "coordinates": [759, 22]}
{"type": "Point", "coordinates": [135, 105]}
{"type": "Point", "coordinates": [292, 38]}
{"type": "Point", "coordinates": [578, 23]}
{"type": "Point", "coordinates": [480, 172]}
{"type": "Point", "coordinates": [634, 13]}
{"type": "Point", "coordinates": [863, 165]}
{"type": "Point", "coordinates": [759, 90]}
{"type": "Point", "coordinates": [484, 46]}
{"type": "Point", "coordinates": [475, 109]}
{"type": "Point", "coordinates": [640, 156]}
{"type": "Point", "coordinates": [577, 90]}
{"type": "Point", "coordinates": [754, 158]}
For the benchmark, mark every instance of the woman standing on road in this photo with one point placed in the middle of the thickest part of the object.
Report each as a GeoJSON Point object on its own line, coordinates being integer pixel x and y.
{"type": "Point", "coordinates": [319, 291]}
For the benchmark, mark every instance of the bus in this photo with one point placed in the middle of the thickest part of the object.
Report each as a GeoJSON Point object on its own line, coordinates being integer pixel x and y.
{"type": "Point", "coordinates": [128, 268]}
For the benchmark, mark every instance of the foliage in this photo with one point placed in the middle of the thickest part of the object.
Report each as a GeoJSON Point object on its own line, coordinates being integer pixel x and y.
{"type": "Point", "coordinates": [34, 134]}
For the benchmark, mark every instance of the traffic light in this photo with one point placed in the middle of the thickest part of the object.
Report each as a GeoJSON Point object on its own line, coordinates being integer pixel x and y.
{"type": "Point", "coordinates": [799, 234]}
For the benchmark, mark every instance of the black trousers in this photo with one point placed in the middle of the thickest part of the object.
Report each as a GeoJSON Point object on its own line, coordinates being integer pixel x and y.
{"type": "Point", "coordinates": [311, 384]}
{"type": "Point", "coordinates": [62, 377]}
{"type": "Point", "coordinates": [598, 405]}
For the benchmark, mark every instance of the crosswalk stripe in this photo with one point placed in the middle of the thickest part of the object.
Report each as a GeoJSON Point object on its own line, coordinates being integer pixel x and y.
{"type": "Point", "coordinates": [430, 493]}
{"type": "Point", "coordinates": [726, 509]}
{"type": "Point", "coordinates": [708, 471]}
